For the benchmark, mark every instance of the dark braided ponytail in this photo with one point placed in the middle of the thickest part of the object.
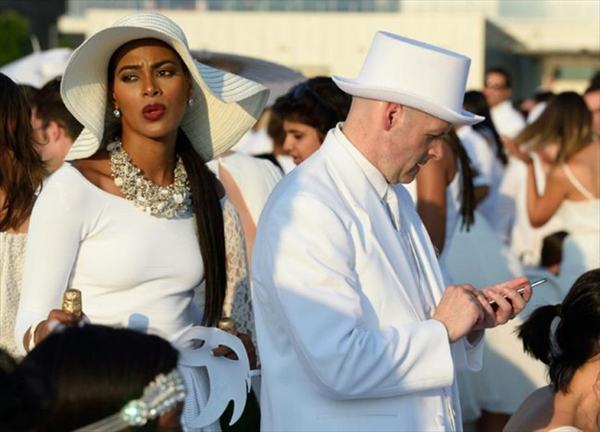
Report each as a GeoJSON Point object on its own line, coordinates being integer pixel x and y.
{"type": "Point", "coordinates": [577, 334]}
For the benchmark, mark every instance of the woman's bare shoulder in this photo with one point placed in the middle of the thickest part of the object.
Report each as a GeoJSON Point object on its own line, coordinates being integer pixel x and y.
{"type": "Point", "coordinates": [589, 153]}
{"type": "Point", "coordinates": [584, 166]}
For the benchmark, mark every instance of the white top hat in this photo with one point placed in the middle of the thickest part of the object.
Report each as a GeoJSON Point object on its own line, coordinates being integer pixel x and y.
{"type": "Point", "coordinates": [412, 73]}
{"type": "Point", "coordinates": [224, 105]}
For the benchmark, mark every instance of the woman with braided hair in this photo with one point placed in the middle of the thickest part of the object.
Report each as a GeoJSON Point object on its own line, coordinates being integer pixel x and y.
{"type": "Point", "coordinates": [445, 194]}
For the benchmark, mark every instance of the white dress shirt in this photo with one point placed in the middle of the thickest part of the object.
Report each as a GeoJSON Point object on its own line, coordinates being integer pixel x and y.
{"type": "Point", "coordinates": [507, 120]}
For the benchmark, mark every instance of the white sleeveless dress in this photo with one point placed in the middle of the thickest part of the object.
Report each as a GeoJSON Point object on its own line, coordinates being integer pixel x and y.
{"type": "Point", "coordinates": [581, 248]}
{"type": "Point", "coordinates": [453, 203]}
{"type": "Point", "coordinates": [255, 178]}
{"type": "Point", "coordinates": [525, 240]}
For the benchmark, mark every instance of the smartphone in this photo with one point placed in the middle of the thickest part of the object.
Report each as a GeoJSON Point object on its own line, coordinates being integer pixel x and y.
{"type": "Point", "coordinates": [520, 291]}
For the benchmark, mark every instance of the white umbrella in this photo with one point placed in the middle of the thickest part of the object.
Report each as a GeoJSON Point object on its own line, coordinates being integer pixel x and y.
{"type": "Point", "coordinates": [276, 77]}
{"type": "Point", "coordinates": [38, 68]}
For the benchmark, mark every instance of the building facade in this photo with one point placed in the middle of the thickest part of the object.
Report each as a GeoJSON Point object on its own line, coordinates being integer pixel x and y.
{"type": "Point", "coordinates": [541, 42]}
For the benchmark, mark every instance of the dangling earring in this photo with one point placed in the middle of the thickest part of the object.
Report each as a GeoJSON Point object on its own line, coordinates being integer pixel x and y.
{"type": "Point", "coordinates": [117, 113]}
{"type": "Point", "coordinates": [190, 102]}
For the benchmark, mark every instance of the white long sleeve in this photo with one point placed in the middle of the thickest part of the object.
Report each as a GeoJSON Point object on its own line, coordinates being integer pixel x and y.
{"type": "Point", "coordinates": [133, 269]}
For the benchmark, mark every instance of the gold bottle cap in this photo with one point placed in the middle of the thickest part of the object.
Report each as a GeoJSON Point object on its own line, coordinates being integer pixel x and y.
{"type": "Point", "coordinates": [72, 302]}
{"type": "Point", "coordinates": [227, 325]}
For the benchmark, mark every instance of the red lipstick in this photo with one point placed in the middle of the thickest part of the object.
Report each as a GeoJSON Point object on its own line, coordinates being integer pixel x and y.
{"type": "Point", "coordinates": [154, 112]}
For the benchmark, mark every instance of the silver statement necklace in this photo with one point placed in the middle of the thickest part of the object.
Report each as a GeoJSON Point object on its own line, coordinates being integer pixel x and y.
{"type": "Point", "coordinates": [161, 201]}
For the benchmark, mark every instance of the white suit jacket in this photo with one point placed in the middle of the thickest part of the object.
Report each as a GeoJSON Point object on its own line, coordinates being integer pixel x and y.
{"type": "Point", "coordinates": [345, 338]}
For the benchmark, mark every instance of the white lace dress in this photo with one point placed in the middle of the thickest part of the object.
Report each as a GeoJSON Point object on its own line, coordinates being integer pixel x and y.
{"type": "Point", "coordinates": [237, 304]}
{"type": "Point", "coordinates": [12, 253]}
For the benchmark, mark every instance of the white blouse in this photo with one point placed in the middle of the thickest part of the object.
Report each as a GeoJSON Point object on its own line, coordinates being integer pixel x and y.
{"type": "Point", "coordinates": [133, 269]}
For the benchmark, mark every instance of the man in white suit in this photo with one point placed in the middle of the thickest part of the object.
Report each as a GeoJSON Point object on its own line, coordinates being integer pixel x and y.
{"type": "Point", "coordinates": [355, 329]}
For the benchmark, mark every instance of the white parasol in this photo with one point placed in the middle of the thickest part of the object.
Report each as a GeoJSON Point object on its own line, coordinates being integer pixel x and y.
{"type": "Point", "coordinates": [38, 68]}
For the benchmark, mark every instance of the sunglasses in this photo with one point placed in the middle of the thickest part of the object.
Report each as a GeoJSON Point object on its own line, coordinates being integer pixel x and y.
{"type": "Point", "coordinates": [299, 90]}
{"type": "Point", "coordinates": [495, 86]}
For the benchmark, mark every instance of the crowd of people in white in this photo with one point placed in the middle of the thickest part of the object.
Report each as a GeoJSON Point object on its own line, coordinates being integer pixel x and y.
{"type": "Point", "coordinates": [377, 282]}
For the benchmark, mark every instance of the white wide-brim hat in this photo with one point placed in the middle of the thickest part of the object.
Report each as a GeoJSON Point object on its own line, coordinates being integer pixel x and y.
{"type": "Point", "coordinates": [412, 73]}
{"type": "Point", "coordinates": [224, 105]}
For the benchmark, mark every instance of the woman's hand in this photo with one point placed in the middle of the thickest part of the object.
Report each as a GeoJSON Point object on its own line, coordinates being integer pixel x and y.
{"type": "Point", "coordinates": [223, 351]}
{"type": "Point", "coordinates": [513, 149]}
{"type": "Point", "coordinates": [44, 328]}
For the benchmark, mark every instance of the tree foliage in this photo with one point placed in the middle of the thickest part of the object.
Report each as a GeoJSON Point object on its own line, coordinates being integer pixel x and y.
{"type": "Point", "coordinates": [14, 37]}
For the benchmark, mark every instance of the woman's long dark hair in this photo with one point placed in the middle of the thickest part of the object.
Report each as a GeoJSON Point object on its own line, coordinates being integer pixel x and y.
{"type": "Point", "coordinates": [209, 225]}
{"type": "Point", "coordinates": [81, 375]}
{"type": "Point", "coordinates": [467, 208]}
{"type": "Point", "coordinates": [475, 102]}
{"type": "Point", "coordinates": [21, 168]}
{"type": "Point", "coordinates": [577, 335]}
{"type": "Point", "coordinates": [205, 202]}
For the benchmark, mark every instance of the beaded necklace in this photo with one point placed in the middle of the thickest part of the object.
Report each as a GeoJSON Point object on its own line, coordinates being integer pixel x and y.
{"type": "Point", "coordinates": [161, 201]}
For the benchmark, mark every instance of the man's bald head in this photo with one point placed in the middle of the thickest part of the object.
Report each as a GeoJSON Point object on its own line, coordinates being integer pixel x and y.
{"type": "Point", "coordinates": [396, 139]}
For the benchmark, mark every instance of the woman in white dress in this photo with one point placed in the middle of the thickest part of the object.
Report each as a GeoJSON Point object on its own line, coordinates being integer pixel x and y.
{"type": "Point", "coordinates": [525, 240]}
{"type": "Point", "coordinates": [136, 223]}
{"type": "Point", "coordinates": [483, 146]}
{"type": "Point", "coordinates": [248, 182]}
{"type": "Point", "coordinates": [573, 184]}
{"type": "Point", "coordinates": [445, 196]}
{"type": "Point", "coordinates": [21, 173]}
{"type": "Point", "coordinates": [542, 140]}
{"type": "Point", "coordinates": [566, 337]}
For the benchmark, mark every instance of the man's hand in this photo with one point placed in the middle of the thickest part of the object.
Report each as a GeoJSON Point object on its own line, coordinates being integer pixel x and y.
{"type": "Point", "coordinates": [459, 310]}
{"type": "Point", "coordinates": [508, 301]}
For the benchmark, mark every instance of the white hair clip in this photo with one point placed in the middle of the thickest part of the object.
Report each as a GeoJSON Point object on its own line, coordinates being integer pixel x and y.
{"type": "Point", "coordinates": [160, 396]}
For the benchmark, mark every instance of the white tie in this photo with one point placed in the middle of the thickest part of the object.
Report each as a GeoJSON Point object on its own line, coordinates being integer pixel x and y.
{"type": "Point", "coordinates": [401, 225]}
{"type": "Point", "coordinates": [391, 203]}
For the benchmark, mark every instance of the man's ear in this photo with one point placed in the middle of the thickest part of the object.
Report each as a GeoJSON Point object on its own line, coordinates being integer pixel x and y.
{"type": "Point", "coordinates": [597, 386]}
{"type": "Point", "coordinates": [393, 114]}
{"type": "Point", "coordinates": [54, 131]}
